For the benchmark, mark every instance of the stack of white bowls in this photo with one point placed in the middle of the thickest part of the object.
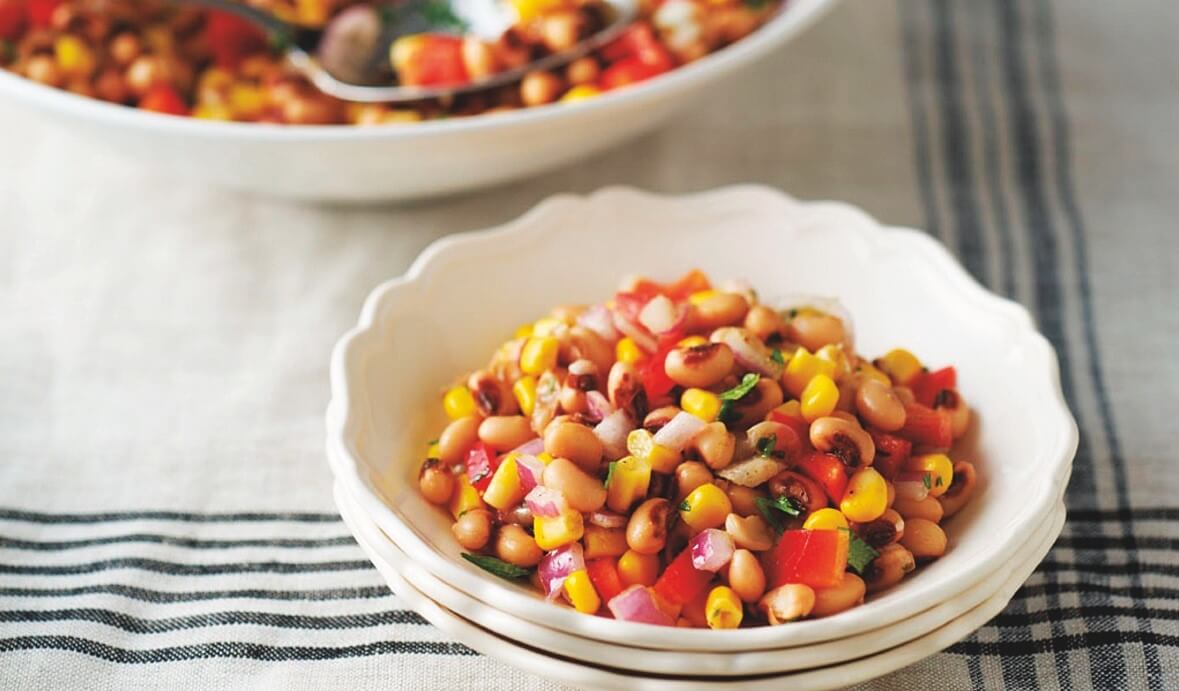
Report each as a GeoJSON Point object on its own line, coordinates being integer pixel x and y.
{"type": "Point", "coordinates": [466, 292]}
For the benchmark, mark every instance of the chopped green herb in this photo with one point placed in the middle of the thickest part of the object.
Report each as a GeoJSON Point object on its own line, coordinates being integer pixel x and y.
{"type": "Point", "coordinates": [439, 14]}
{"type": "Point", "coordinates": [432, 442]}
{"type": "Point", "coordinates": [793, 312]}
{"type": "Point", "coordinates": [725, 414]}
{"type": "Point", "coordinates": [738, 392]}
{"type": "Point", "coordinates": [925, 480]}
{"type": "Point", "coordinates": [684, 506]}
{"type": "Point", "coordinates": [859, 553]}
{"type": "Point", "coordinates": [765, 445]}
{"type": "Point", "coordinates": [609, 474]}
{"type": "Point", "coordinates": [939, 481]}
{"type": "Point", "coordinates": [772, 510]}
{"type": "Point", "coordinates": [776, 356]}
{"type": "Point", "coordinates": [281, 41]}
{"type": "Point", "coordinates": [496, 567]}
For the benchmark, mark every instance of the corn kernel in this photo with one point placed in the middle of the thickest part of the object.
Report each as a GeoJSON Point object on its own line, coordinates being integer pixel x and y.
{"type": "Point", "coordinates": [825, 519]}
{"type": "Point", "coordinates": [701, 296]}
{"type": "Point", "coordinates": [505, 490]}
{"type": "Point", "coordinates": [641, 444]}
{"type": "Point", "coordinates": [545, 457]}
{"type": "Point", "coordinates": [74, 57]}
{"type": "Point", "coordinates": [691, 342]}
{"type": "Point", "coordinates": [546, 326]}
{"type": "Point", "coordinates": [818, 398]}
{"type": "Point", "coordinates": [803, 367]}
{"type": "Point", "coordinates": [642, 569]}
{"type": "Point", "coordinates": [552, 532]}
{"type": "Point", "coordinates": [703, 404]}
{"type": "Point", "coordinates": [900, 365]}
{"type": "Point", "coordinates": [866, 496]}
{"type": "Point", "coordinates": [523, 331]}
{"type": "Point", "coordinates": [628, 351]}
{"type": "Point", "coordinates": [603, 542]}
{"type": "Point", "coordinates": [527, 10]}
{"type": "Point", "coordinates": [458, 402]}
{"type": "Point", "coordinates": [706, 507]}
{"type": "Point", "coordinates": [525, 392]}
{"type": "Point", "coordinates": [629, 482]}
{"type": "Point", "coordinates": [580, 591]}
{"type": "Point", "coordinates": [212, 111]}
{"type": "Point", "coordinates": [723, 608]}
{"type": "Point", "coordinates": [311, 12]}
{"type": "Point", "coordinates": [246, 100]}
{"type": "Point", "coordinates": [581, 92]}
{"type": "Point", "coordinates": [835, 354]}
{"type": "Point", "coordinates": [539, 355]}
{"type": "Point", "coordinates": [938, 469]}
{"type": "Point", "coordinates": [868, 371]}
{"type": "Point", "coordinates": [465, 498]}
{"type": "Point", "coordinates": [433, 450]}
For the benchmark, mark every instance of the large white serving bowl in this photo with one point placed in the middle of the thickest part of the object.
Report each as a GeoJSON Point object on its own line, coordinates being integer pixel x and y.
{"type": "Point", "coordinates": [347, 163]}
{"type": "Point", "coordinates": [466, 293]}
{"type": "Point", "coordinates": [619, 655]}
{"type": "Point", "coordinates": [539, 659]}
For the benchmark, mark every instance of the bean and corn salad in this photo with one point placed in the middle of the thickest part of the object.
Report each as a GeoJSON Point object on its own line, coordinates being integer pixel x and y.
{"type": "Point", "coordinates": [687, 456]}
{"type": "Point", "coordinates": [208, 64]}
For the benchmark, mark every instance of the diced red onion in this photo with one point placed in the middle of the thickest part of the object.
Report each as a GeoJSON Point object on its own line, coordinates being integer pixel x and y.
{"type": "Point", "coordinates": [636, 333]}
{"type": "Point", "coordinates": [597, 319]}
{"type": "Point", "coordinates": [711, 549]}
{"type": "Point", "coordinates": [910, 485]}
{"type": "Point", "coordinates": [612, 431]}
{"type": "Point", "coordinates": [678, 431]}
{"type": "Point", "coordinates": [748, 353]}
{"type": "Point", "coordinates": [545, 502]}
{"type": "Point", "coordinates": [556, 566]}
{"type": "Point", "coordinates": [598, 406]}
{"type": "Point", "coordinates": [529, 468]}
{"type": "Point", "coordinates": [637, 603]}
{"type": "Point", "coordinates": [531, 447]}
{"type": "Point", "coordinates": [659, 315]}
{"type": "Point", "coordinates": [607, 519]}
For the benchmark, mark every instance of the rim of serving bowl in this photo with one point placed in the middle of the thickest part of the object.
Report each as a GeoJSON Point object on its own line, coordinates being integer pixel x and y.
{"type": "Point", "coordinates": [794, 17]}
{"type": "Point", "coordinates": [881, 239]}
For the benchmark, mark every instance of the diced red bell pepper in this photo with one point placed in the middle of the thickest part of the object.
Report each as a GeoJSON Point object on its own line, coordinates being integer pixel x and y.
{"type": "Point", "coordinates": [603, 573]}
{"type": "Point", "coordinates": [653, 375]}
{"type": "Point", "coordinates": [231, 38]}
{"type": "Point", "coordinates": [12, 19]}
{"type": "Point", "coordinates": [828, 471]}
{"type": "Point", "coordinates": [628, 71]}
{"type": "Point", "coordinates": [816, 558]}
{"type": "Point", "coordinates": [162, 98]}
{"type": "Point", "coordinates": [434, 60]}
{"type": "Point", "coordinates": [891, 453]}
{"type": "Point", "coordinates": [694, 281]}
{"type": "Point", "coordinates": [925, 426]}
{"type": "Point", "coordinates": [681, 582]}
{"type": "Point", "coordinates": [800, 426]}
{"type": "Point", "coordinates": [927, 386]}
{"type": "Point", "coordinates": [40, 12]}
{"type": "Point", "coordinates": [635, 40]}
{"type": "Point", "coordinates": [481, 465]}
{"type": "Point", "coordinates": [629, 303]}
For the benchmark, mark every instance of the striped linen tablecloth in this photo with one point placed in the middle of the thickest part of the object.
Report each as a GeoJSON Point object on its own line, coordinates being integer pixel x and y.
{"type": "Point", "coordinates": [165, 508]}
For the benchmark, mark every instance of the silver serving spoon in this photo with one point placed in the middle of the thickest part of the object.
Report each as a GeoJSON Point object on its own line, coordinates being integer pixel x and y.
{"type": "Point", "coordinates": [357, 66]}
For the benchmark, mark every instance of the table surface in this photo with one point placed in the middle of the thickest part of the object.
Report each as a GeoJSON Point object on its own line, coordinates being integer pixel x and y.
{"type": "Point", "coordinates": [164, 347]}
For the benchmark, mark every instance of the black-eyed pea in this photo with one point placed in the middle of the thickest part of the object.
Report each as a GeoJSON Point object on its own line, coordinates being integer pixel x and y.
{"type": "Point", "coordinates": [883, 531]}
{"type": "Point", "coordinates": [478, 58]}
{"type": "Point", "coordinates": [961, 489]}
{"type": "Point", "coordinates": [749, 532]}
{"type": "Point", "coordinates": [581, 378]}
{"type": "Point", "coordinates": [625, 390]}
{"type": "Point", "coordinates": [743, 499]}
{"type": "Point", "coordinates": [493, 396]}
{"type": "Point", "coordinates": [879, 406]}
{"type": "Point", "coordinates": [837, 598]}
{"type": "Point", "coordinates": [843, 439]}
{"type": "Point", "coordinates": [925, 539]}
{"type": "Point", "coordinates": [473, 529]}
{"type": "Point", "coordinates": [505, 432]}
{"type": "Point", "coordinates": [928, 508]}
{"type": "Point", "coordinates": [765, 323]}
{"type": "Point", "coordinates": [700, 366]}
{"type": "Point", "coordinates": [457, 439]}
{"type": "Point", "coordinates": [586, 344]}
{"type": "Point", "coordinates": [646, 531]}
{"type": "Point", "coordinates": [887, 569]}
{"type": "Point", "coordinates": [659, 417]}
{"type": "Point", "coordinates": [717, 310]}
{"type": "Point", "coordinates": [787, 603]}
{"type": "Point", "coordinates": [746, 576]}
{"type": "Point", "coordinates": [578, 443]}
{"type": "Point", "coordinates": [435, 481]}
{"type": "Point", "coordinates": [761, 399]}
{"type": "Point", "coordinates": [904, 394]}
{"type": "Point", "coordinates": [801, 489]}
{"type": "Point", "coordinates": [715, 444]}
{"type": "Point", "coordinates": [514, 545]}
{"type": "Point", "coordinates": [950, 400]}
{"type": "Point", "coordinates": [538, 88]}
{"type": "Point", "coordinates": [813, 330]}
{"type": "Point", "coordinates": [583, 491]}
{"type": "Point", "coordinates": [689, 475]}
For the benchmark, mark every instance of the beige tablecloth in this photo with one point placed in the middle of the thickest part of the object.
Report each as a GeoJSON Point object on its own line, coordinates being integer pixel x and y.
{"type": "Point", "coordinates": [164, 347]}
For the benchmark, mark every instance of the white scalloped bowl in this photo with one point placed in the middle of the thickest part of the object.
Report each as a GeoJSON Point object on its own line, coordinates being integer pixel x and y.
{"type": "Point", "coordinates": [466, 293]}
{"type": "Point", "coordinates": [398, 162]}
